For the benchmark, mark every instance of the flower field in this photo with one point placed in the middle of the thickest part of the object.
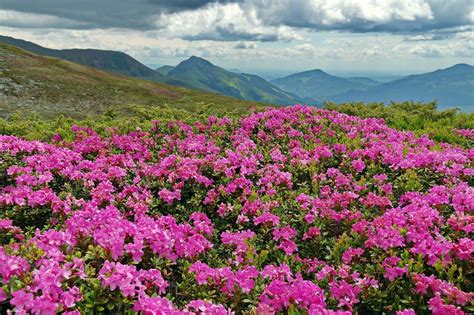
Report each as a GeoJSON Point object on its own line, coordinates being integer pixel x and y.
{"type": "Point", "coordinates": [293, 210]}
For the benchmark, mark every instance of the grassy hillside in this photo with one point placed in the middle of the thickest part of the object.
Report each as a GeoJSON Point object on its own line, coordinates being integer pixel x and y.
{"type": "Point", "coordinates": [51, 87]}
{"type": "Point", "coordinates": [112, 61]}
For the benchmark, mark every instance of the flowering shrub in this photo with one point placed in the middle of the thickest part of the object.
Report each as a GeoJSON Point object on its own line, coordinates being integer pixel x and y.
{"type": "Point", "coordinates": [291, 210]}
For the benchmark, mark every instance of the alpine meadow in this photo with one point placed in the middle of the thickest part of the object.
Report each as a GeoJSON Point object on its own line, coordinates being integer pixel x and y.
{"type": "Point", "coordinates": [237, 157]}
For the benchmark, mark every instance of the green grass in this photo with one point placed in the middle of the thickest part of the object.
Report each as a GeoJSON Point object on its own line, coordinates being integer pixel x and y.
{"type": "Point", "coordinates": [34, 127]}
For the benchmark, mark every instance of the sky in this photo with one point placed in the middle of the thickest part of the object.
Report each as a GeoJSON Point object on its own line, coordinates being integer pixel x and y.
{"type": "Point", "coordinates": [280, 36]}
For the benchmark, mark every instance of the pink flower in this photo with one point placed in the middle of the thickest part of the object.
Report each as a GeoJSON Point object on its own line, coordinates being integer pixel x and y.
{"type": "Point", "coordinates": [22, 300]}
{"type": "Point", "coordinates": [464, 249]}
{"type": "Point", "coordinates": [437, 307]}
{"type": "Point", "coordinates": [154, 305]}
{"type": "Point", "coordinates": [350, 253]}
{"type": "Point", "coordinates": [203, 307]}
{"type": "Point", "coordinates": [278, 295]}
{"type": "Point", "coordinates": [129, 280]}
{"type": "Point", "coordinates": [267, 217]}
{"type": "Point", "coordinates": [229, 281]}
{"type": "Point", "coordinates": [169, 196]}
{"type": "Point", "coordinates": [11, 265]}
{"type": "Point", "coordinates": [311, 233]}
{"type": "Point", "coordinates": [346, 294]}
{"type": "Point", "coordinates": [358, 165]}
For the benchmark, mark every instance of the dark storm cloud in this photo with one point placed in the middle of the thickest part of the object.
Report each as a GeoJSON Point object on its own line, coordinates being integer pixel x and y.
{"type": "Point", "coordinates": [185, 4]}
{"type": "Point", "coordinates": [230, 33]}
{"type": "Point", "coordinates": [86, 14]}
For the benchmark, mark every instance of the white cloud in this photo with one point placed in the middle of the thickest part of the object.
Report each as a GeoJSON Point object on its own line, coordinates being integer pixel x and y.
{"type": "Point", "coordinates": [222, 22]}
{"type": "Point", "coordinates": [357, 15]}
{"type": "Point", "coordinates": [375, 51]}
{"type": "Point", "coordinates": [436, 50]}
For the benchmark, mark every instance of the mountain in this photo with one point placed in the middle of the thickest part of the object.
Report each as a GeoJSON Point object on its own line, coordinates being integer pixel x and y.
{"type": "Point", "coordinates": [364, 80]}
{"type": "Point", "coordinates": [450, 87]}
{"type": "Point", "coordinates": [164, 69]}
{"type": "Point", "coordinates": [113, 61]}
{"type": "Point", "coordinates": [51, 87]}
{"type": "Point", "coordinates": [203, 75]}
{"type": "Point", "coordinates": [317, 84]}
{"type": "Point", "coordinates": [386, 78]}
{"type": "Point", "coordinates": [186, 74]}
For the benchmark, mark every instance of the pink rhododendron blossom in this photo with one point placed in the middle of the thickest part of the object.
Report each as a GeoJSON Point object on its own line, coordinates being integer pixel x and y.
{"type": "Point", "coordinates": [350, 253]}
{"type": "Point", "coordinates": [345, 293]}
{"type": "Point", "coordinates": [358, 165]}
{"type": "Point", "coordinates": [203, 307]}
{"type": "Point", "coordinates": [267, 218]}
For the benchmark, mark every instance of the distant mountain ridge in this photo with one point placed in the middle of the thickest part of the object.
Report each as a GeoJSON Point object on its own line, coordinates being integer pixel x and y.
{"type": "Point", "coordinates": [450, 87]}
{"type": "Point", "coordinates": [202, 74]}
{"type": "Point", "coordinates": [364, 80]}
{"type": "Point", "coordinates": [164, 69]}
{"type": "Point", "coordinates": [319, 85]}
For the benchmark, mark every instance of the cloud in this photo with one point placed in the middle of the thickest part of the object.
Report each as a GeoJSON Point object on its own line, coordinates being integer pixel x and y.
{"type": "Point", "coordinates": [393, 16]}
{"type": "Point", "coordinates": [230, 32]}
{"type": "Point", "coordinates": [460, 33]}
{"type": "Point", "coordinates": [434, 50]}
{"type": "Point", "coordinates": [358, 16]}
{"type": "Point", "coordinates": [310, 52]}
{"type": "Point", "coordinates": [273, 18]}
{"type": "Point", "coordinates": [244, 45]}
{"type": "Point", "coordinates": [11, 18]}
{"type": "Point", "coordinates": [89, 14]}
{"type": "Point", "coordinates": [219, 22]}
{"type": "Point", "coordinates": [375, 51]}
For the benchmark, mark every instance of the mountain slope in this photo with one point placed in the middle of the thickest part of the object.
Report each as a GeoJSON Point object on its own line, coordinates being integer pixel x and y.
{"type": "Point", "coordinates": [317, 84]}
{"type": "Point", "coordinates": [450, 87]}
{"type": "Point", "coordinates": [203, 75]}
{"type": "Point", "coordinates": [113, 61]}
{"type": "Point", "coordinates": [52, 87]}
{"type": "Point", "coordinates": [212, 78]}
{"type": "Point", "coordinates": [364, 80]}
{"type": "Point", "coordinates": [164, 69]}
